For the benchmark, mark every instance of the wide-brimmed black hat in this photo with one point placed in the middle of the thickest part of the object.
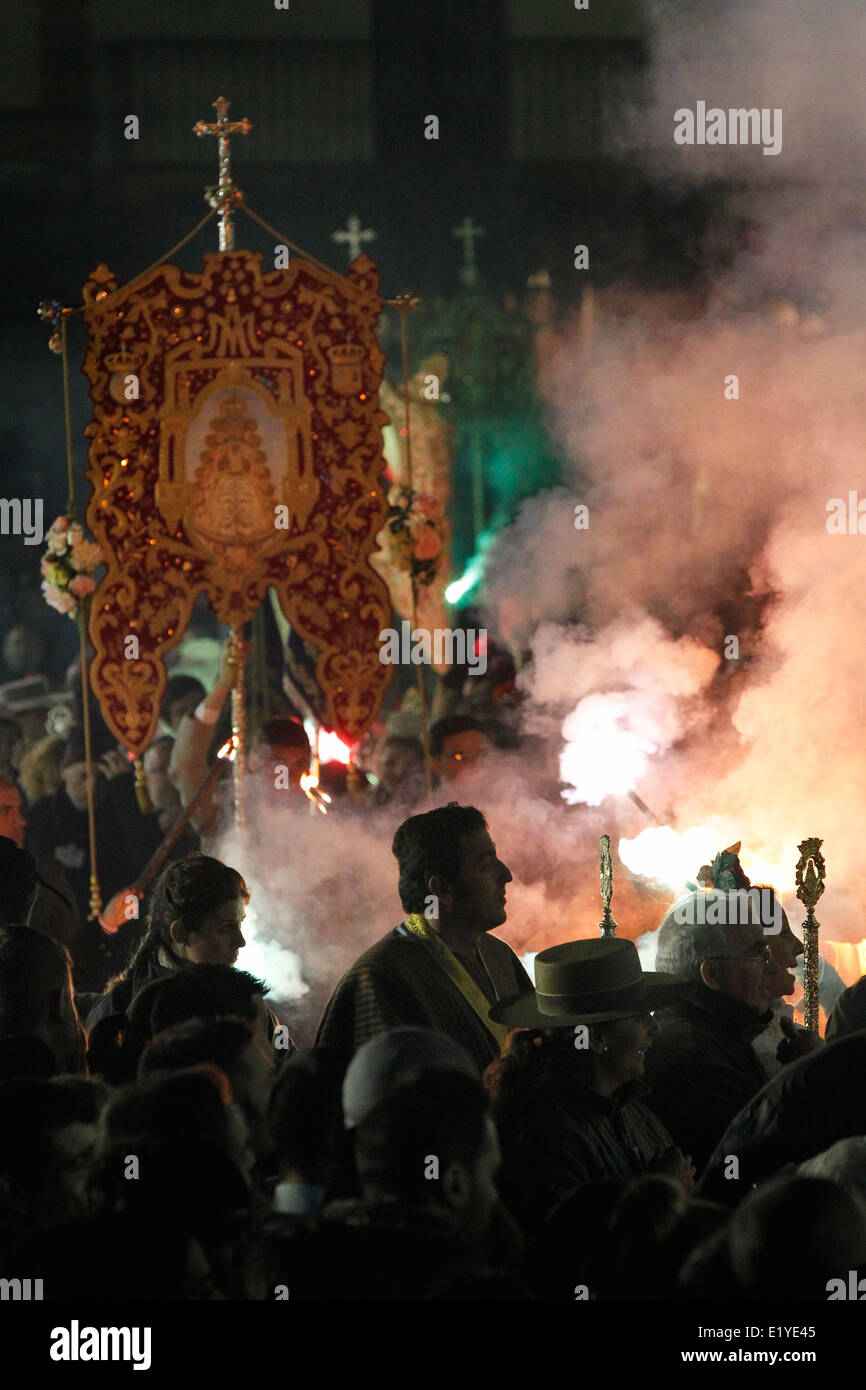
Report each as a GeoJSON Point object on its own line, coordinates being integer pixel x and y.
{"type": "Point", "coordinates": [589, 982]}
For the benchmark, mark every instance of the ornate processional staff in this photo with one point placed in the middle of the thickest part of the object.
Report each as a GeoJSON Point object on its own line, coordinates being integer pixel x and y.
{"type": "Point", "coordinates": [607, 925]}
{"type": "Point", "coordinates": [809, 877]}
{"type": "Point", "coordinates": [224, 194]}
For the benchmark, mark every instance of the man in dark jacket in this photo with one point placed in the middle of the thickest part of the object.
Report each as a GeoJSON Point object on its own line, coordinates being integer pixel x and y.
{"type": "Point", "coordinates": [426, 1157]}
{"type": "Point", "coordinates": [57, 828]}
{"type": "Point", "coordinates": [849, 1014]}
{"type": "Point", "coordinates": [802, 1111]}
{"type": "Point", "coordinates": [440, 968]}
{"type": "Point", "coordinates": [702, 1067]}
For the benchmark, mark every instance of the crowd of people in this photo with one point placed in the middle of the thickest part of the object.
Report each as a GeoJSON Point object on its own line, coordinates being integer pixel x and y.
{"type": "Point", "coordinates": [454, 1130]}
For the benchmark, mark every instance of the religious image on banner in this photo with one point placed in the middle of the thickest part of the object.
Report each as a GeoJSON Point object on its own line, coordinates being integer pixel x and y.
{"type": "Point", "coordinates": [236, 448]}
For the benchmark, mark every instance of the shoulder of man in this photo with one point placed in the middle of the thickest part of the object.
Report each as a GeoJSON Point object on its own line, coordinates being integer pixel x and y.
{"type": "Point", "coordinates": [505, 966]}
{"type": "Point", "coordinates": [387, 954]}
{"type": "Point", "coordinates": [849, 1012]}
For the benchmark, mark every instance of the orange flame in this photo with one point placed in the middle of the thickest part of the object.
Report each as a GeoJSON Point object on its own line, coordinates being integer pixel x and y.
{"type": "Point", "coordinates": [310, 788]}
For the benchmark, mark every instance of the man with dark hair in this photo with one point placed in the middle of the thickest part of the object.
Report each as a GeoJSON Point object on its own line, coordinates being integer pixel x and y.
{"type": "Point", "coordinates": [279, 754]}
{"type": "Point", "coordinates": [440, 968]}
{"type": "Point", "coordinates": [226, 1043]}
{"type": "Point", "coordinates": [182, 695]}
{"type": "Point", "coordinates": [36, 995]}
{"type": "Point", "coordinates": [400, 769]}
{"type": "Point", "coordinates": [213, 991]}
{"type": "Point", "coordinates": [125, 838]}
{"type": "Point", "coordinates": [53, 910]}
{"type": "Point", "coordinates": [457, 742]}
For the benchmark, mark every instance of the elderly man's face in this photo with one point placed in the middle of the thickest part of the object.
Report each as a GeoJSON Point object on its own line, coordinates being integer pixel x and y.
{"type": "Point", "coordinates": [784, 951]}
{"type": "Point", "coordinates": [746, 974]}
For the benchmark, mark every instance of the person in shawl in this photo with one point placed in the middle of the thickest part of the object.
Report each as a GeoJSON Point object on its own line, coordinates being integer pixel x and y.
{"type": "Point", "coordinates": [440, 968]}
{"type": "Point", "coordinates": [569, 1099]}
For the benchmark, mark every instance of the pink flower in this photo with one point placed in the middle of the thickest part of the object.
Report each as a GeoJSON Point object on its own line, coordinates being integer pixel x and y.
{"type": "Point", "coordinates": [81, 585]}
{"type": "Point", "coordinates": [64, 603]}
{"type": "Point", "coordinates": [427, 545]}
{"type": "Point", "coordinates": [86, 555]}
{"type": "Point", "coordinates": [56, 542]}
{"type": "Point", "coordinates": [61, 524]}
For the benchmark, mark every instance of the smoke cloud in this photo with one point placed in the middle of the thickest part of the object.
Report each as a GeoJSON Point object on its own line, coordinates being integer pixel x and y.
{"type": "Point", "coordinates": [707, 433]}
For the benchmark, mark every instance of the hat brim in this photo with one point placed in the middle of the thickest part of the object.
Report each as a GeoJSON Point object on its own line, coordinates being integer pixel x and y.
{"type": "Point", "coordinates": [522, 1011]}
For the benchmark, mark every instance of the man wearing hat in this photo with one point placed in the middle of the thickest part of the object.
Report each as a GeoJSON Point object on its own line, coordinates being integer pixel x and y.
{"type": "Point", "coordinates": [569, 1093]}
{"type": "Point", "coordinates": [440, 968]}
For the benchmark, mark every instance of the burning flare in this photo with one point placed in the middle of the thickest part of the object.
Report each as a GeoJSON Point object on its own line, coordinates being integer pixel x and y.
{"type": "Point", "coordinates": [609, 740]}
{"type": "Point", "coordinates": [674, 857]}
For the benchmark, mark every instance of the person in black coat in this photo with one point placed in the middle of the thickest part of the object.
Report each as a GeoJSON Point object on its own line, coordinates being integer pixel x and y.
{"type": "Point", "coordinates": [703, 1068]}
{"type": "Point", "coordinates": [802, 1111]}
{"type": "Point", "coordinates": [57, 829]}
{"type": "Point", "coordinates": [569, 1099]}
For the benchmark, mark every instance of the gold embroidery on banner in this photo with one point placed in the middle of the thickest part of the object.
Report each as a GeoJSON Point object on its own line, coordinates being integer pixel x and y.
{"type": "Point", "coordinates": [237, 416]}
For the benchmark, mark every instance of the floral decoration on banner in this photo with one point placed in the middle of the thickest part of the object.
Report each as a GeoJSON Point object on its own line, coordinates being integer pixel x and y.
{"type": "Point", "coordinates": [417, 527]}
{"type": "Point", "coordinates": [68, 566]}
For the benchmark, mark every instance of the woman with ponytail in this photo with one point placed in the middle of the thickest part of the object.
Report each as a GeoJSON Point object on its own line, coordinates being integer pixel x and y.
{"type": "Point", "coordinates": [194, 917]}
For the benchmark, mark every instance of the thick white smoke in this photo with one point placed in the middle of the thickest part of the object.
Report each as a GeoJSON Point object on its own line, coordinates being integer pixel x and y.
{"type": "Point", "coordinates": [707, 433]}
{"type": "Point", "coordinates": [707, 522]}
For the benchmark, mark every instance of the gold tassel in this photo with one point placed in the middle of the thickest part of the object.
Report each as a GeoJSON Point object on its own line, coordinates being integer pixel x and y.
{"type": "Point", "coordinates": [142, 795]}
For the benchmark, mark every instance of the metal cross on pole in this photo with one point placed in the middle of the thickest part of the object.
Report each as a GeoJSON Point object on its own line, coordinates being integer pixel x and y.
{"type": "Point", "coordinates": [223, 194]}
{"type": "Point", "coordinates": [354, 236]}
{"type": "Point", "coordinates": [467, 232]}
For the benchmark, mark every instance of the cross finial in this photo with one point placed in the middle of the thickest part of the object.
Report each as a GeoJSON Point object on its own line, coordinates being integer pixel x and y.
{"type": "Point", "coordinates": [223, 194]}
{"type": "Point", "coordinates": [354, 236]}
{"type": "Point", "coordinates": [467, 232]}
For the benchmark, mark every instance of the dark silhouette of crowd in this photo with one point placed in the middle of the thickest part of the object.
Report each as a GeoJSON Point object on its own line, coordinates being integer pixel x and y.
{"type": "Point", "coordinates": [169, 1139]}
{"type": "Point", "coordinates": [456, 1131]}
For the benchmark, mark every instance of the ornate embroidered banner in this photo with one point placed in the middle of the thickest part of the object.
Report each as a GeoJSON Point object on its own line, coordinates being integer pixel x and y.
{"type": "Point", "coordinates": [236, 445]}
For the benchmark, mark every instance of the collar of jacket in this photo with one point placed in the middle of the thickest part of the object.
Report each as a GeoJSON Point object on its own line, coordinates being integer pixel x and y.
{"type": "Point", "coordinates": [579, 1096]}
{"type": "Point", "coordinates": [724, 1014]}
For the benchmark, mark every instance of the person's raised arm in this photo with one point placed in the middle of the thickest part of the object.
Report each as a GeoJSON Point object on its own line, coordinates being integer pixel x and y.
{"type": "Point", "coordinates": [188, 763]}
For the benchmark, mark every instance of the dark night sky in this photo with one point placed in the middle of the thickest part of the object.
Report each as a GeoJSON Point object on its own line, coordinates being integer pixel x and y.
{"type": "Point", "coordinates": [527, 94]}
